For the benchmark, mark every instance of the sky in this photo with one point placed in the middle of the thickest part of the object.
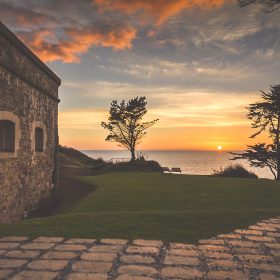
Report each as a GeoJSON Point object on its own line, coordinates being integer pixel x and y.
{"type": "Point", "coordinates": [198, 62]}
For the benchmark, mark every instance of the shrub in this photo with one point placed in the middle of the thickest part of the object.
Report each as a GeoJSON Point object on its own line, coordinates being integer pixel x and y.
{"type": "Point", "coordinates": [145, 166]}
{"type": "Point", "coordinates": [236, 170]}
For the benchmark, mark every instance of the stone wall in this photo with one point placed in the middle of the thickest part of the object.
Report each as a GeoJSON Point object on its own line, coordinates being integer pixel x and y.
{"type": "Point", "coordinates": [29, 93]}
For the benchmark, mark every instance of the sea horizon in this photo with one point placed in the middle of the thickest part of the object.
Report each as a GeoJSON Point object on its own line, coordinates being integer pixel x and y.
{"type": "Point", "coordinates": [192, 162]}
{"type": "Point", "coordinates": [173, 150]}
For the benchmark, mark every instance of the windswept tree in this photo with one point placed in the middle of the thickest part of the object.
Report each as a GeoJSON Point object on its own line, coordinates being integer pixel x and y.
{"type": "Point", "coordinates": [265, 117]}
{"type": "Point", "coordinates": [268, 5]}
{"type": "Point", "coordinates": [125, 124]}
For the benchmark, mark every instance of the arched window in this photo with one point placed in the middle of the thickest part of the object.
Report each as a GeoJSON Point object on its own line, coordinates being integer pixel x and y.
{"type": "Point", "coordinates": [7, 136]}
{"type": "Point", "coordinates": [39, 139]}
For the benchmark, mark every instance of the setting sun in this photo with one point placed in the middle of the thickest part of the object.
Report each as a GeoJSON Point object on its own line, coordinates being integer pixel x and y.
{"type": "Point", "coordinates": [219, 147]}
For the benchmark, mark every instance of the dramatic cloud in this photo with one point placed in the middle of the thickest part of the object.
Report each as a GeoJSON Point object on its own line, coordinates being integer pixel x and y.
{"type": "Point", "coordinates": [161, 10]}
{"type": "Point", "coordinates": [23, 16]}
{"type": "Point", "coordinates": [73, 29]}
{"type": "Point", "coordinates": [63, 37]}
{"type": "Point", "coordinates": [76, 42]}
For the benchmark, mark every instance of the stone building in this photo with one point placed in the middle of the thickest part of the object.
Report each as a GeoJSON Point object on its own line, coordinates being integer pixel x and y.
{"type": "Point", "coordinates": [28, 127]}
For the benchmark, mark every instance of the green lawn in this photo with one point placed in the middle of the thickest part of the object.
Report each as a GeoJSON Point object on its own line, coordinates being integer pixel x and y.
{"type": "Point", "coordinates": [159, 206]}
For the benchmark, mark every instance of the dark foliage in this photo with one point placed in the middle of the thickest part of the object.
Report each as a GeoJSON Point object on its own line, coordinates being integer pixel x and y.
{"type": "Point", "coordinates": [137, 165]}
{"type": "Point", "coordinates": [75, 163]}
{"type": "Point", "coordinates": [265, 117]}
{"type": "Point", "coordinates": [125, 124]}
{"type": "Point", "coordinates": [236, 170]}
{"type": "Point", "coordinates": [268, 5]}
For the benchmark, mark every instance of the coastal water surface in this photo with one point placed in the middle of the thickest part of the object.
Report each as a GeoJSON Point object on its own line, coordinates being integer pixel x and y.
{"type": "Point", "coordinates": [190, 162]}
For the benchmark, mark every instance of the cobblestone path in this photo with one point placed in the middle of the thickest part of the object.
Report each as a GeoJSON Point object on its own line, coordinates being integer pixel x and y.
{"type": "Point", "coordinates": [252, 253]}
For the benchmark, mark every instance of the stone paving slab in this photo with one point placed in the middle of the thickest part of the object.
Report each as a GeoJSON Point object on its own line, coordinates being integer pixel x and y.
{"type": "Point", "coordinates": [2, 252]}
{"type": "Point", "coordinates": [92, 266]}
{"type": "Point", "coordinates": [251, 254]}
{"type": "Point", "coordinates": [80, 241]}
{"type": "Point", "coordinates": [60, 255]}
{"type": "Point", "coordinates": [14, 239]}
{"type": "Point", "coordinates": [8, 245]}
{"type": "Point", "coordinates": [137, 270]}
{"type": "Point", "coordinates": [38, 275]}
{"type": "Point", "coordinates": [87, 276]}
{"type": "Point", "coordinates": [44, 239]}
{"type": "Point", "coordinates": [140, 259]}
{"type": "Point", "coordinates": [36, 246]}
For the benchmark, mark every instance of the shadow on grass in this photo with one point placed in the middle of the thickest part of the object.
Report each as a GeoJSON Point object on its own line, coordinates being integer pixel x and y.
{"type": "Point", "coordinates": [69, 193]}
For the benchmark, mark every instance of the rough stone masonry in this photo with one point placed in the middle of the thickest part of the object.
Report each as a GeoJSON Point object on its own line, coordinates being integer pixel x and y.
{"type": "Point", "coordinates": [28, 127]}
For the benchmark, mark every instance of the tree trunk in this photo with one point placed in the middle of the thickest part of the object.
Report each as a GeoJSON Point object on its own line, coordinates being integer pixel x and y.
{"type": "Point", "coordinates": [132, 155]}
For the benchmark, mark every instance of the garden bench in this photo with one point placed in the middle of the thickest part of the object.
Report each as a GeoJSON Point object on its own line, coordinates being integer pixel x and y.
{"type": "Point", "coordinates": [165, 169]}
{"type": "Point", "coordinates": [176, 170]}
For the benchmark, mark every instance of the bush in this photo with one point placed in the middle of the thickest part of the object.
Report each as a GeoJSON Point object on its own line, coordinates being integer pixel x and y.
{"type": "Point", "coordinates": [74, 163]}
{"type": "Point", "coordinates": [236, 170]}
{"type": "Point", "coordinates": [139, 165]}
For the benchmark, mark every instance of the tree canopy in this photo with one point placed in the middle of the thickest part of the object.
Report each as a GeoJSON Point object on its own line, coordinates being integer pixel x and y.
{"type": "Point", "coordinates": [125, 124]}
{"type": "Point", "coordinates": [265, 117]}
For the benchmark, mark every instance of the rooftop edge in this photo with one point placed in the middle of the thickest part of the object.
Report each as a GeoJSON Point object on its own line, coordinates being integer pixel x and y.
{"type": "Point", "coordinates": [9, 35]}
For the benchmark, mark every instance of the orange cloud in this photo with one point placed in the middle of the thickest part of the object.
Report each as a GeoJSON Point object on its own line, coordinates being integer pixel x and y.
{"type": "Point", "coordinates": [161, 10]}
{"type": "Point", "coordinates": [117, 39]}
{"type": "Point", "coordinates": [77, 42]}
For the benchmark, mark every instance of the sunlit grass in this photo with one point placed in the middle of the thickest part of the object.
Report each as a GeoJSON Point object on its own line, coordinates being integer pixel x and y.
{"type": "Point", "coordinates": [159, 206]}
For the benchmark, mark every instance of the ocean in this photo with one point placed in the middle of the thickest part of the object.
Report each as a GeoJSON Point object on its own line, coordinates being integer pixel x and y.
{"type": "Point", "coordinates": [190, 162]}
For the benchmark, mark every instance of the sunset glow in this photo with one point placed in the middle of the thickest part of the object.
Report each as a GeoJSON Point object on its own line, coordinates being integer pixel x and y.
{"type": "Point", "coordinates": [199, 64]}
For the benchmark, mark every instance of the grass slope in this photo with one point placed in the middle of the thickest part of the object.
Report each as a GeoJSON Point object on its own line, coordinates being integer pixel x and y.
{"type": "Point", "coordinates": [159, 206]}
